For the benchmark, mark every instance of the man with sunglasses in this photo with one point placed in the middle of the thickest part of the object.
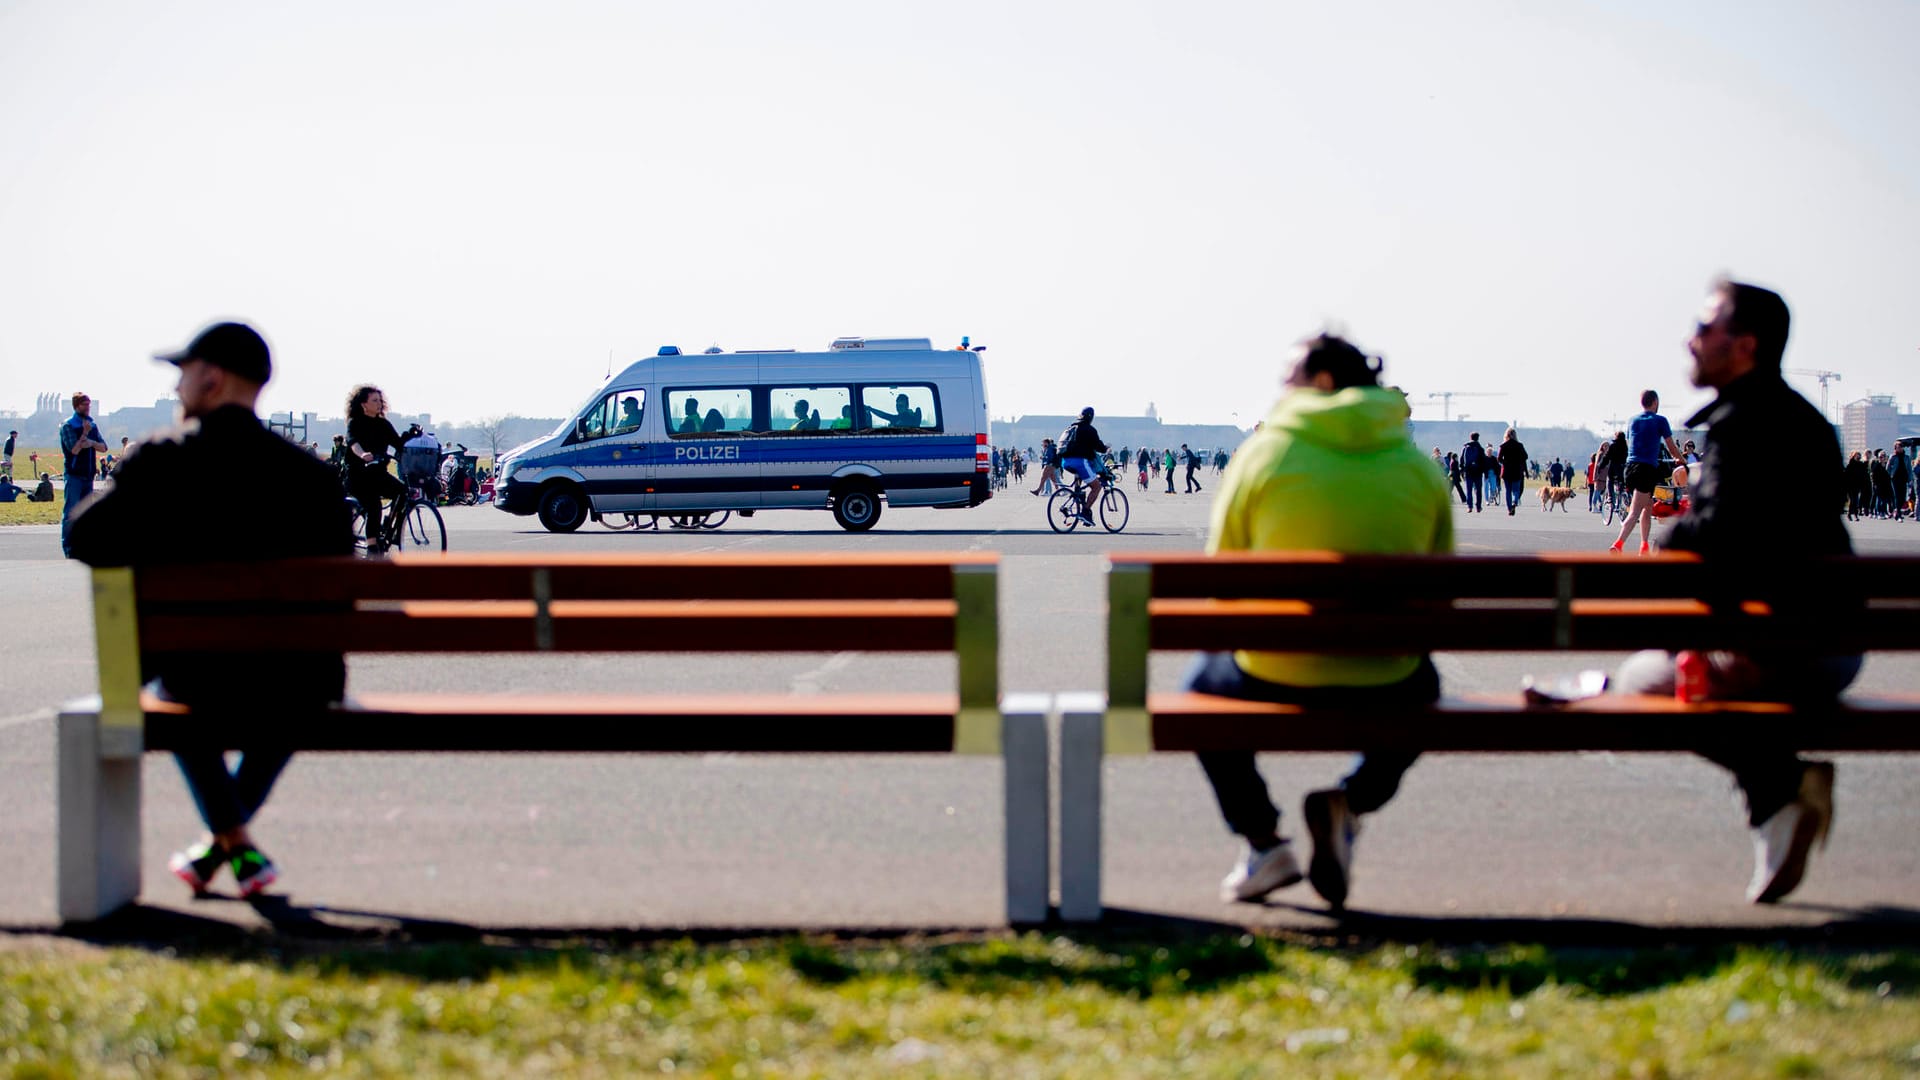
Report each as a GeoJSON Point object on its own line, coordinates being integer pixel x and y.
{"type": "Point", "coordinates": [1736, 527]}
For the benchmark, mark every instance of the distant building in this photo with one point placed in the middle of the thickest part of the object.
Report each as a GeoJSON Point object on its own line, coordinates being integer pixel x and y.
{"type": "Point", "coordinates": [1873, 422]}
{"type": "Point", "coordinates": [1131, 432]}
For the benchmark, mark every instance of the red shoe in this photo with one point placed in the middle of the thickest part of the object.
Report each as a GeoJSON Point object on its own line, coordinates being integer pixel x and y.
{"type": "Point", "coordinates": [1644, 549]}
{"type": "Point", "coordinates": [1618, 547]}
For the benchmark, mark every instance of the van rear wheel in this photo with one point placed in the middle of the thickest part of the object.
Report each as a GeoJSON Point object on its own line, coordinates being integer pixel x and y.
{"type": "Point", "coordinates": [856, 507]}
{"type": "Point", "coordinates": [563, 508]}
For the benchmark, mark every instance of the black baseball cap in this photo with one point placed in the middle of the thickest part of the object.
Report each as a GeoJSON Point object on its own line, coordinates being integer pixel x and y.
{"type": "Point", "coordinates": [236, 347]}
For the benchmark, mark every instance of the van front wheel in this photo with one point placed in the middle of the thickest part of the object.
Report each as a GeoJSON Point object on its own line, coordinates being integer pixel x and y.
{"type": "Point", "coordinates": [563, 508]}
{"type": "Point", "coordinates": [856, 508]}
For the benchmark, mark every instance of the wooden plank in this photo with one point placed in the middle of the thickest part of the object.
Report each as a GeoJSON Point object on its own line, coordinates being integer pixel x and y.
{"type": "Point", "coordinates": [1283, 626]}
{"type": "Point", "coordinates": [577, 626]}
{"type": "Point", "coordinates": [882, 575]}
{"type": "Point", "coordinates": [872, 723]}
{"type": "Point", "coordinates": [1308, 575]}
{"type": "Point", "coordinates": [1501, 724]}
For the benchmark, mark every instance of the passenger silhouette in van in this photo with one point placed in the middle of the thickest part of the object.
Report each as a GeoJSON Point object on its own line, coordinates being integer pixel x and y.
{"type": "Point", "coordinates": [846, 419]}
{"type": "Point", "coordinates": [691, 425]}
{"type": "Point", "coordinates": [714, 421]}
{"type": "Point", "coordinates": [904, 415]}
{"type": "Point", "coordinates": [805, 418]}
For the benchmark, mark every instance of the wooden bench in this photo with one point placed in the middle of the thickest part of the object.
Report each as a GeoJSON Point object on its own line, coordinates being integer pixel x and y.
{"type": "Point", "coordinates": [1323, 602]}
{"type": "Point", "coordinates": [507, 604]}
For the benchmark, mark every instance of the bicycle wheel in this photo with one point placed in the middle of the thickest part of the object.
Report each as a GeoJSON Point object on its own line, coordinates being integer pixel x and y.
{"type": "Point", "coordinates": [1114, 509]}
{"type": "Point", "coordinates": [422, 528]}
{"type": "Point", "coordinates": [1063, 510]}
{"type": "Point", "coordinates": [714, 521]}
{"type": "Point", "coordinates": [620, 521]}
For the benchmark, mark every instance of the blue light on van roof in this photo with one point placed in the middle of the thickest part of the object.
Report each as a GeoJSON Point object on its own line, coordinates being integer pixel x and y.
{"type": "Point", "coordinates": [668, 350]}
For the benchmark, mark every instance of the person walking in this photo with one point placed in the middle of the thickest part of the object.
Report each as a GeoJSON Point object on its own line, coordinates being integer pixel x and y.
{"type": "Point", "coordinates": [1882, 484]}
{"type": "Point", "coordinates": [1859, 484]}
{"type": "Point", "coordinates": [1192, 461]}
{"type": "Point", "coordinates": [1473, 466]}
{"type": "Point", "coordinates": [144, 520]}
{"type": "Point", "coordinates": [1049, 468]}
{"type": "Point", "coordinates": [1900, 476]}
{"type": "Point", "coordinates": [1513, 467]}
{"type": "Point", "coordinates": [1333, 470]}
{"type": "Point", "coordinates": [1168, 460]}
{"type": "Point", "coordinates": [1734, 526]}
{"type": "Point", "coordinates": [1143, 468]}
{"type": "Point", "coordinates": [80, 442]}
{"type": "Point", "coordinates": [6, 456]}
{"type": "Point", "coordinates": [1647, 434]}
{"type": "Point", "coordinates": [1452, 467]}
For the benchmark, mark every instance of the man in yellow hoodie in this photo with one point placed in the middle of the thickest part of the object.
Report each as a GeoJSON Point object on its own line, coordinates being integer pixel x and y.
{"type": "Point", "coordinates": [1332, 469]}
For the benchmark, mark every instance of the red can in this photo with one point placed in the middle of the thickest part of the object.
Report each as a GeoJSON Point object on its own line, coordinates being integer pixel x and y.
{"type": "Point", "coordinates": [1690, 676]}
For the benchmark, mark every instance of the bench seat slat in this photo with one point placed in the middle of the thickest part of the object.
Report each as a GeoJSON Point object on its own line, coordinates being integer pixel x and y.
{"type": "Point", "coordinates": [1502, 723]}
{"type": "Point", "coordinates": [1594, 626]}
{"type": "Point", "coordinates": [453, 627]}
{"type": "Point", "coordinates": [771, 723]}
{"type": "Point", "coordinates": [601, 577]}
{"type": "Point", "coordinates": [1309, 574]}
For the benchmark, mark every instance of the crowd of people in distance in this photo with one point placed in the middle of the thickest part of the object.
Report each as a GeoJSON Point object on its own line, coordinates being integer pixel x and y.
{"type": "Point", "coordinates": [1010, 465]}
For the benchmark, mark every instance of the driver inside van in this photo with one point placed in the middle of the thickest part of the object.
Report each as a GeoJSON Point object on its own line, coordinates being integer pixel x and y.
{"type": "Point", "coordinates": [691, 425]}
{"type": "Point", "coordinates": [629, 416]}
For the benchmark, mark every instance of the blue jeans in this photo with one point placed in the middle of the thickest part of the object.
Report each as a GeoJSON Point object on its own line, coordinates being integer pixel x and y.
{"type": "Point", "coordinates": [1474, 487]}
{"type": "Point", "coordinates": [79, 486]}
{"type": "Point", "coordinates": [228, 799]}
{"type": "Point", "coordinates": [1236, 780]}
{"type": "Point", "coordinates": [1513, 494]}
{"type": "Point", "coordinates": [1768, 775]}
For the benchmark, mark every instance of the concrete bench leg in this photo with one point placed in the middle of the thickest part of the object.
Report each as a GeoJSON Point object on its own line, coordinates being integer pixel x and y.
{"type": "Point", "coordinates": [97, 822]}
{"type": "Point", "coordinates": [1082, 748]}
{"type": "Point", "coordinates": [1029, 831]}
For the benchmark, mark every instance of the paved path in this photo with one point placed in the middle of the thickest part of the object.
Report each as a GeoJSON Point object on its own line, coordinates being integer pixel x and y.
{"type": "Point", "coordinates": [740, 841]}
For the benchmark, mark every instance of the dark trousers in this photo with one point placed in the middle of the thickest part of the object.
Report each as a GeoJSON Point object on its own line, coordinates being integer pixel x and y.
{"type": "Point", "coordinates": [1768, 775]}
{"type": "Point", "coordinates": [1237, 783]}
{"type": "Point", "coordinates": [1169, 481]}
{"type": "Point", "coordinates": [227, 798]}
{"type": "Point", "coordinates": [1476, 486]}
{"type": "Point", "coordinates": [78, 486]}
{"type": "Point", "coordinates": [1513, 494]}
{"type": "Point", "coordinates": [1192, 484]}
{"type": "Point", "coordinates": [368, 487]}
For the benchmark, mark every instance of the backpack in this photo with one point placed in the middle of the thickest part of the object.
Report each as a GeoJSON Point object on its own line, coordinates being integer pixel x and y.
{"type": "Point", "coordinates": [420, 460]}
{"type": "Point", "coordinates": [1472, 458]}
{"type": "Point", "coordinates": [1067, 436]}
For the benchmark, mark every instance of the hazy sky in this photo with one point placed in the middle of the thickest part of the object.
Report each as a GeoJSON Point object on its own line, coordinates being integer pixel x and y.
{"type": "Point", "coordinates": [473, 203]}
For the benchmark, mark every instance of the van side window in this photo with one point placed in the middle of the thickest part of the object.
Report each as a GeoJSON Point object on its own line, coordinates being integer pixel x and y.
{"type": "Point", "coordinates": [906, 408]}
{"type": "Point", "coordinates": [616, 414]}
{"type": "Point", "coordinates": [801, 409]}
{"type": "Point", "coordinates": [709, 411]}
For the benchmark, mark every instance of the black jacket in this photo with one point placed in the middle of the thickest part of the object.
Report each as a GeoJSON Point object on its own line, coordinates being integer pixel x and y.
{"type": "Point", "coordinates": [1513, 460]}
{"type": "Point", "coordinates": [270, 499]}
{"type": "Point", "coordinates": [1765, 443]}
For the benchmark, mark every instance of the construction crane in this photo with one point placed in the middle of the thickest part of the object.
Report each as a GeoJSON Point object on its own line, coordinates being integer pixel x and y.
{"type": "Point", "coordinates": [1824, 377]}
{"type": "Point", "coordinates": [1446, 399]}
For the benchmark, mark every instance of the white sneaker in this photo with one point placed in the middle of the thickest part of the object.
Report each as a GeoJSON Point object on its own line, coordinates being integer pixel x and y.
{"type": "Point", "coordinates": [1260, 872]}
{"type": "Point", "coordinates": [1332, 827]}
{"type": "Point", "coordinates": [1782, 842]}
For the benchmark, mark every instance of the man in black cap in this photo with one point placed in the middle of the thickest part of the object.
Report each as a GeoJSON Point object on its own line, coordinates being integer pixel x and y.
{"type": "Point", "coordinates": [157, 513]}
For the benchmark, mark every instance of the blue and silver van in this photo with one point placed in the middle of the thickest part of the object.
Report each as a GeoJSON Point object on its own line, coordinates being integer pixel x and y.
{"type": "Point", "coordinates": [868, 421]}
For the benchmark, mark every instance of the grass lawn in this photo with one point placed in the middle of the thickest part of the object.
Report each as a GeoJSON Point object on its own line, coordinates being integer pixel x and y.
{"type": "Point", "coordinates": [1089, 1006]}
{"type": "Point", "coordinates": [22, 512]}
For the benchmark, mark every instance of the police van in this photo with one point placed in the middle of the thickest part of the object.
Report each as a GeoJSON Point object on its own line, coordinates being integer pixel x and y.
{"type": "Point", "coordinates": [869, 421]}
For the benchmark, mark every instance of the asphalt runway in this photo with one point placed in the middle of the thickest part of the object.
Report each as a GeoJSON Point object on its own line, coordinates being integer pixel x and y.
{"type": "Point", "coordinates": [1539, 843]}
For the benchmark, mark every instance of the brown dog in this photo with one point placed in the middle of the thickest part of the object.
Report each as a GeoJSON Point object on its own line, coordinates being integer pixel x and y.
{"type": "Point", "coordinates": [1551, 497]}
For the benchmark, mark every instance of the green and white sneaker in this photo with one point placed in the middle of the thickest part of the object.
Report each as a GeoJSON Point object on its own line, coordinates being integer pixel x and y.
{"type": "Point", "coordinates": [252, 870]}
{"type": "Point", "coordinates": [198, 865]}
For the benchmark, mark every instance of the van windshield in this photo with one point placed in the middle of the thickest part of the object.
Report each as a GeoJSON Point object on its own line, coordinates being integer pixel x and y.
{"type": "Point", "coordinates": [566, 422]}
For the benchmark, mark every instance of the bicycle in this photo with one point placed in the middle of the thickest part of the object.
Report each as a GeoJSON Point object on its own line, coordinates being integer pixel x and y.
{"type": "Point", "coordinates": [411, 521]}
{"type": "Point", "coordinates": [1066, 506]}
{"type": "Point", "coordinates": [642, 522]}
{"type": "Point", "coordinates": [1613, 501]}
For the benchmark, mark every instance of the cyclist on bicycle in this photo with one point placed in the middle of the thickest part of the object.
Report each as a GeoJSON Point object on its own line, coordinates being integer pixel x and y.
{"type": "Point", "coordinates": [1080, 450]}
{"type": "Point", "coordinates": [370, 435]}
